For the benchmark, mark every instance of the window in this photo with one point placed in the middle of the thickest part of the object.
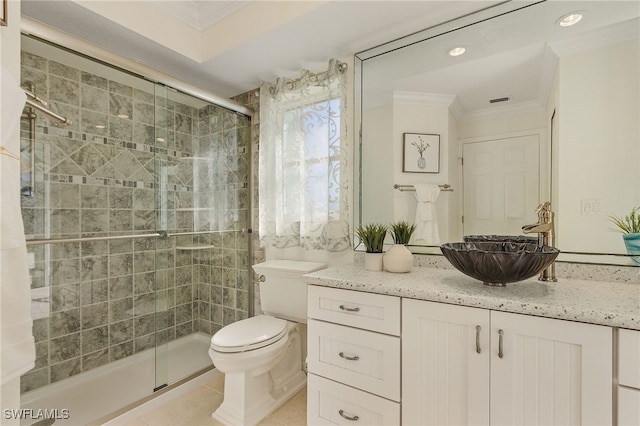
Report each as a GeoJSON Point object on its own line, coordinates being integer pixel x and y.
{"type": "Point", "coordinates": [304, 190]}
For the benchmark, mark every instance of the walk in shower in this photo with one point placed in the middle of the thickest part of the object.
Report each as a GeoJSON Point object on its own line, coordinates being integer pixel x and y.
{"type": "Point", "coordinates": [136, 215]}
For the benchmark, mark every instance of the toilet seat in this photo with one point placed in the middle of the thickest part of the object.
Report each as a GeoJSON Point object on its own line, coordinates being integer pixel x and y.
{"type": "Point", "coordinates": [249, 334]}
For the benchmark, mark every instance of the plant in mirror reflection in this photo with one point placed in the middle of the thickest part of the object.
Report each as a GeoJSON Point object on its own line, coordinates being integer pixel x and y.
{"type": "Point", "coordinates": [401, 232]}
{"type": "Point", "coordinates": [629, 224]}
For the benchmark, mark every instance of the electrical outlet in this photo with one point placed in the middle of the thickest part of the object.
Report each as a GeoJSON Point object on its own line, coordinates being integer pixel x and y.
{"type": "Point", "coordinates": [590, 207]}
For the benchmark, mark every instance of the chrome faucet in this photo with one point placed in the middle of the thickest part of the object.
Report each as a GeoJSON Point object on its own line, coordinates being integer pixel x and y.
{"type": "Point", "coordinates": [545, 229]}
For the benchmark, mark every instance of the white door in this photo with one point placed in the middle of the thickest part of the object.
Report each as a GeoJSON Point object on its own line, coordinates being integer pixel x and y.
{"type": "Point", "coordinates": [445, 364]}
{"type": "Point", "coordinates": [501, 185]}
{"type": "Point", "coordinates": [549, 372]}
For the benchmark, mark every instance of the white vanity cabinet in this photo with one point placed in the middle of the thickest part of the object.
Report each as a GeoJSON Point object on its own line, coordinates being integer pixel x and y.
{"type": "Point", "coordinates": [464, 365]}
{"type": "Point", "coordinates": [628, 377]}
{"type": "Point", "coordinates": [445, 364]}
{"type": "Point", "coordinates": [353, 358]}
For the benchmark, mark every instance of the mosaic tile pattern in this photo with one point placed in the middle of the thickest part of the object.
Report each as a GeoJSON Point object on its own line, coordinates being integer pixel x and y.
{"type": "Point", "coordinates": [151, 163]}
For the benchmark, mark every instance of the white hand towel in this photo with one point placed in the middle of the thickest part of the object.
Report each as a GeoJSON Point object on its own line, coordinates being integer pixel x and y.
{"type": "Point", "coordinates": [18, 348]}
{"type": "Point", "coordinates": [426, 218]}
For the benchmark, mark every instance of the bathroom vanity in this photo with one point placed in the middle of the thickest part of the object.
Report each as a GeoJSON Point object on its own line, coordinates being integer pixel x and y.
{"type": "Point", "coordinates": [434, 347]}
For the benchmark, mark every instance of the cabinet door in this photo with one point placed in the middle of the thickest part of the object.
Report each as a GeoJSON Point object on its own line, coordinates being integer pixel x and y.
{"type": "Point", "coordinates": [549, 372]}
{"type": "Point", "coordinates": [628, 406]}
{"type": "Point", "coordinates": [445, 364]}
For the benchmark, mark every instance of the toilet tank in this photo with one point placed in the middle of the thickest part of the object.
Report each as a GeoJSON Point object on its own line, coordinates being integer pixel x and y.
{"type": "Point", "coordinates": [283, 294]}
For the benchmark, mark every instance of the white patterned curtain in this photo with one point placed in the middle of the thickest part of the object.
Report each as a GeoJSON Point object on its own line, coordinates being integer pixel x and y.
{"type": "Point", "coordinates": [303, 173]}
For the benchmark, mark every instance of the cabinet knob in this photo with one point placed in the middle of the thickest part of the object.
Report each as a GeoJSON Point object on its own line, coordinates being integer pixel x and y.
{"type": "Point", "coordinates": [348, 417]}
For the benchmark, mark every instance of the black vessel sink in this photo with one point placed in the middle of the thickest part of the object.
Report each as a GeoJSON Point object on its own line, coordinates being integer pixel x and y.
{"type": "Point", "coordinates": [499, 263]}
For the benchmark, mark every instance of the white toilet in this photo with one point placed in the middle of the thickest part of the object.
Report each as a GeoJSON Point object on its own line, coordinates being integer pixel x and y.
{"type": "Point", "coordinates": [262, 356]}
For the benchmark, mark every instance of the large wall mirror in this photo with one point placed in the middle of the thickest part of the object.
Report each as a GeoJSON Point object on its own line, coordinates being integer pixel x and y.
{"type": "Point", "coordinates": [531, 111]}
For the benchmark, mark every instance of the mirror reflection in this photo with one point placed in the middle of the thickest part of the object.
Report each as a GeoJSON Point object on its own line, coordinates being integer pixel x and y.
{"type": "Point", "coordinates": [525, 109]}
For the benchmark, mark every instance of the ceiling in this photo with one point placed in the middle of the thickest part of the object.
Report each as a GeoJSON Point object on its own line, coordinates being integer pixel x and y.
{"type": "Point", "coordinates": [230, 47]}
{"type": "Point", "coordinates": [512, 57]}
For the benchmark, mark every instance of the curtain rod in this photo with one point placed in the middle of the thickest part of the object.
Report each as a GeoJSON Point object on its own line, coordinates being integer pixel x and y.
{"type": "Point", "coordinates": [341, 67]}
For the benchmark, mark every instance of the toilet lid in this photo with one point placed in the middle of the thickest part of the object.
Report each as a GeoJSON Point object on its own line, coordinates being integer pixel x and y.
{"type": "Point", "coordinates": [248, 334]}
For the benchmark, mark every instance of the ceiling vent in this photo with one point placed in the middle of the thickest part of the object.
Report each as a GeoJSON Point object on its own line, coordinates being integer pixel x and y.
{"type": "Point", "coordinates": [498, 100]}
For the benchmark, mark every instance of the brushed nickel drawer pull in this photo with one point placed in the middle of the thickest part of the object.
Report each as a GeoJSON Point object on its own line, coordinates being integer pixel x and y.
{"type": "Point", "coordinates": [500, 351]}
{"type": "Point", "coordinates": [348, 309]}
{"type": "Point", "coordinates": [352, 418]}
{"type": "Point", "coordinates": [478, 349]}
{"type": "Point", "coordinates": [349, 358]}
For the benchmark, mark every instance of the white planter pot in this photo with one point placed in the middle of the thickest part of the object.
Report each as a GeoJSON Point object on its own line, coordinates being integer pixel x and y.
{"type": "Point", "coordinates": [373, 261]}
{"type": "Point", "coordinates": [398, 259]}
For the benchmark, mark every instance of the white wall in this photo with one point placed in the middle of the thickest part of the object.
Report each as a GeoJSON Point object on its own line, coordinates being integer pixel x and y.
{"type": "Point", "coordinates": [378, 154]}
{"type": "Point", "coordinates": [599, 131]}
{"type": "Point", "coordinates": [503, 124]}
{"type": "Point", "coordinates": [426, 119]}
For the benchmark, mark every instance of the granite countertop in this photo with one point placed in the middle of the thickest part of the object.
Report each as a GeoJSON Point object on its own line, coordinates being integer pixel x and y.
{"type": "Point", "coordinates": [594, 302]}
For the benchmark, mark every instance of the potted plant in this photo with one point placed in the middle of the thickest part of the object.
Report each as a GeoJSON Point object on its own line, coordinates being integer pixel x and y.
{"type": "Point", "coordinates": [629, 226]}
{"type": "Point", "coordinates": [398, 258]}
{"type": "Point", "coordinates": [372, 236]}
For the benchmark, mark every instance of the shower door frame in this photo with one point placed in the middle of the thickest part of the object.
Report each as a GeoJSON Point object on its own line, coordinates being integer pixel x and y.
{"type": "Point", "coordinates": [50, 35]}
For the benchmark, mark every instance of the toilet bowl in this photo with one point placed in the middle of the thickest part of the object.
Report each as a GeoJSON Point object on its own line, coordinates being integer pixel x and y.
{"type": "Point", "coordinates": [262, 356]}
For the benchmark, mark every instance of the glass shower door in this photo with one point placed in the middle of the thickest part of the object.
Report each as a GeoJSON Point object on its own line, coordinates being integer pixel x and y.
{"type": "Point", "coordinates": [140, 209]}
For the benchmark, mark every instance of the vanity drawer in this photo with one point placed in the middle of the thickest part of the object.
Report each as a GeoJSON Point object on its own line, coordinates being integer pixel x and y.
{"type": "Point", "coordinates": [329, 402]}
{"type": "Point", "coordinates": [363, 359]}
{"type": "Point", "coordinates": [629, 357]}
{"type": "Point", "coordinates": [369, 311]}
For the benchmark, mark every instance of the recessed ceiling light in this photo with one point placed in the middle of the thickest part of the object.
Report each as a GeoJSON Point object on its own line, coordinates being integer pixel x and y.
{"type": "Point", "coordinates": [123, 116]}
{"type": "Point", "coordinates": [457, 51]}
{"type": "Point", "coordinates": [160, 139]}
{"type": "Point", "coordinates": [570, 19]}
{"type": "Point", "coordinates": [100, 126]}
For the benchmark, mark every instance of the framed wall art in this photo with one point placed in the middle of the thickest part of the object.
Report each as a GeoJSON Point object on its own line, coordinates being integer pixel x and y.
{"type": "Point", "coordinates": [3, 13]}
{"type": "Point", "coordinates": [421, 153]}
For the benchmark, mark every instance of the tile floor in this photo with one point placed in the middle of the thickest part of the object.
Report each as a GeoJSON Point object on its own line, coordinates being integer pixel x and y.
{"type": "Point", "coordinates": [195, 407]}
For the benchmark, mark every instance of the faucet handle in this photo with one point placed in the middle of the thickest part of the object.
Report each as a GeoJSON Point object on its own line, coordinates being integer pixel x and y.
{"type": "Point", "coordinates": [544, 206]}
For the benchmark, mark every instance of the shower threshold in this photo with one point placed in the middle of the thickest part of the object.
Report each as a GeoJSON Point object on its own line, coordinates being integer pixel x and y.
{"type": "Point", "coordinates": [107, 389]}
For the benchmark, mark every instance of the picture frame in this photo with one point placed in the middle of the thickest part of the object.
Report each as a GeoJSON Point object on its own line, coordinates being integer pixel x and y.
{"type": "Point", "coordinates": [421, 153]}
{"type": "Point", "coordinates": [3, 13]}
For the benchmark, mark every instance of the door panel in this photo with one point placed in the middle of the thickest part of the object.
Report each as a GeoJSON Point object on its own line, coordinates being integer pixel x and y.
{"type": "Point", "coordinates": [501, 184]}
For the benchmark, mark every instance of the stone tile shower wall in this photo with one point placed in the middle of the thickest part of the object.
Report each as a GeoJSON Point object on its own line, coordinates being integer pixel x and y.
{"type": "Point", "coordinates": [251, 99]}
{"type": "Point", "coordinates": [98, 302]}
